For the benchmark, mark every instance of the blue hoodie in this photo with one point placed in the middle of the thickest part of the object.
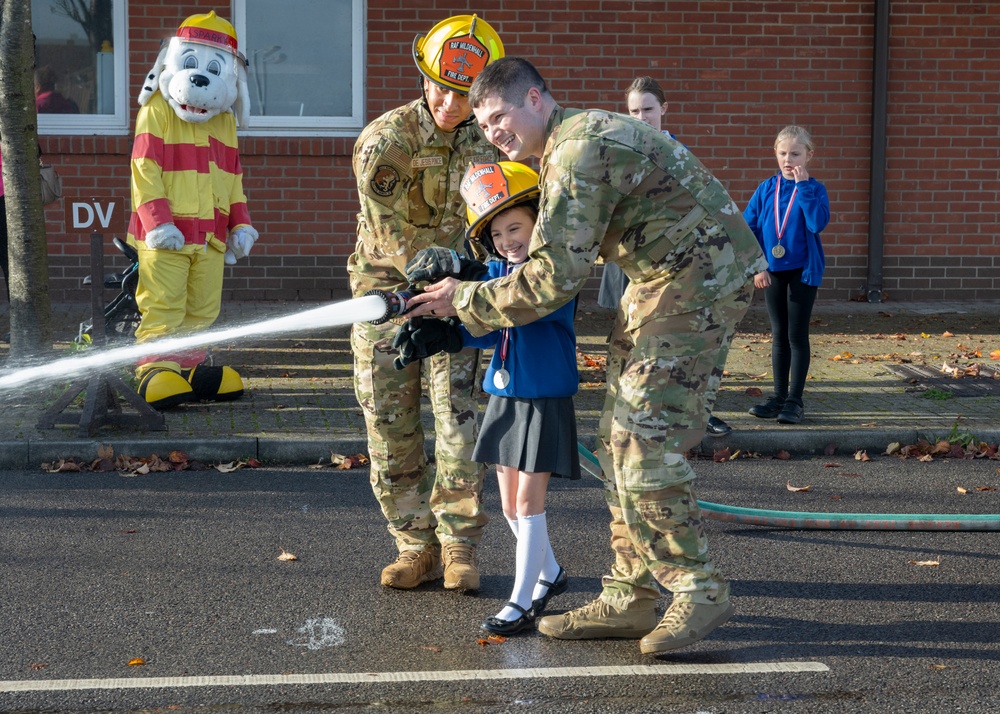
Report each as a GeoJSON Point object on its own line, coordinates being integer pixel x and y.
{"type": "Point", "coordinates": [541, 356]}
{"type": "Point", "coordinates": [809, 216]}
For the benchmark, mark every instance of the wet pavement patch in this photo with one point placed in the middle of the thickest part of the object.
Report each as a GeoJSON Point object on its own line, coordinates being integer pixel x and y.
{"type": "Point", "coordinates": [923, 377]}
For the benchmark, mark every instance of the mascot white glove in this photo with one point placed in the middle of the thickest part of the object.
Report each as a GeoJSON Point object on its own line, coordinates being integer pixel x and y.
{"type": "Point", "coordinates": [165, 236]}
{"type": "Point", "coordinates": [239, 243]}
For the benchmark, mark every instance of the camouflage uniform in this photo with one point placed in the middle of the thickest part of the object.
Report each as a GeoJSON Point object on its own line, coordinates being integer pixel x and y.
{"type": "Point", "coordinates": [617, 189]}
{"type": "Point", "coordinates": [408, 175]}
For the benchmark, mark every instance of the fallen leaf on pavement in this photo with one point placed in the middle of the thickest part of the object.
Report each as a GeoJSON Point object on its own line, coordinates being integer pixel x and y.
{"type": "Point", "coordinates": [946, 334]}
{"type": "Point", "coordinates": [796, 489]}
{"type": "Point", "coordinates": [831, 465]}
{"type": "Point", "coordinates": [229, 468]}
{"type": "Point", "coordinates": [926, 563]}
{"type": "Point", "coordinates": [995, 354]}
{"type": "Point", "coordinates": [961, 490]}
{"type": "Point", "coordinates": [499, 639]}
{"type": "Point", "coordinates": [432, 648]}
{"type": "Point", "coordinates": [39, 665]}
{"type": "Point", "coordinates": [105, 451]}
{"type": "Point", "coordinates": [285, 555]}
{"type": "Point", "coordinates": [892, 448]}
{"type": "Point", "coordinates": [782, 455]}
{"type": "Point", "coordinates": [862, 456]}
{"type": "Point", "coordinates": [754, 392]}
{"type": "Point", "coordinates": [136, 662]}
{"type": "Point", "coordinates": [830, 449]}
{"type": "Point", "coordinates": [939, 666]}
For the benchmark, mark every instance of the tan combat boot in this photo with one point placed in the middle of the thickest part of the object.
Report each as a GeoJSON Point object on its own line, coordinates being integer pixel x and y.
{"type": "Point", "coordinates": [685, 623]}
{"type": "Point", "coordinates": [597, 619]}
{"type": "Point", "coordinates": [411, 568]}
{"type": "Point", "coordinates": [460, 570]}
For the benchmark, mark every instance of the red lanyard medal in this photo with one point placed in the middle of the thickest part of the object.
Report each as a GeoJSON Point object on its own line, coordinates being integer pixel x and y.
{"type": "Point", "coordinates": [501, 378]}
{"type": "Point", "coordinates": [778, 251]}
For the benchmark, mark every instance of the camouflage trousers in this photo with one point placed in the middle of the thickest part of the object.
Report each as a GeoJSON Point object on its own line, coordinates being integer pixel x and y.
{"type": "Point", "coordinates": [425, 507]}
{"type": "Point", "coordinates": [663, 376]}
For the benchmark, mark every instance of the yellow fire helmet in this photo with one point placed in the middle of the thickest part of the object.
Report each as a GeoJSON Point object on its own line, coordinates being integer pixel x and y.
{"type": "Point", "coordinates": [456, 50]}
{"type": "Point", "coordinates": [490, 188]}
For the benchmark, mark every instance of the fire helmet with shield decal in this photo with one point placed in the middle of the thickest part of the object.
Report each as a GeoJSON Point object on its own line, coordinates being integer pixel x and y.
{"type": "Point", "coordinates": [489, 188]}
{"type": "Point", "coordinates": [456, 50]}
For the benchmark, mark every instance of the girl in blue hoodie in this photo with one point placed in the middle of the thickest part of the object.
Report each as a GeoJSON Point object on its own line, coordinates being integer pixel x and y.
{"type": "Point", "coordinates": [787, 214]}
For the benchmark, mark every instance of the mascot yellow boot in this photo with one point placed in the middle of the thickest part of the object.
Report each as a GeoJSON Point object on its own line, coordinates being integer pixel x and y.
{"type": "Point", "coordinates": [189, 212]}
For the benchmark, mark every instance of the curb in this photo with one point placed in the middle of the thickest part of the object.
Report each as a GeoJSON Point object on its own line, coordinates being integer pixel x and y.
{"type": "Point", "coordinates": [275, 451]}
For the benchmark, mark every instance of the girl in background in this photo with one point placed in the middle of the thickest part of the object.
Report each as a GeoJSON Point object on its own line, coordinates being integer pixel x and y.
{"type": "Point", "coordinates": [787, 213]}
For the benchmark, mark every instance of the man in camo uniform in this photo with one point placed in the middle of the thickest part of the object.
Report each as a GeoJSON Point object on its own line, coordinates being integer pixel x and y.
{"type": "Point", "coordinates": [409, 163]}
{"type": "Point", "coordinates": [617, 189]}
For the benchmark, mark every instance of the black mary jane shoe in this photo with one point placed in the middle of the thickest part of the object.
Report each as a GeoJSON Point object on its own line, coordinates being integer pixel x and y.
{"type": "Point", "coordinates": [510, 627]}
{"type": "Point", "coordinates": [556, 588]}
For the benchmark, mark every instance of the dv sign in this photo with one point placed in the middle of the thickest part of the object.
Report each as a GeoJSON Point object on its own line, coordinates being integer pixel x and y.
{"type": "Point", "coordinates": [96, 215]}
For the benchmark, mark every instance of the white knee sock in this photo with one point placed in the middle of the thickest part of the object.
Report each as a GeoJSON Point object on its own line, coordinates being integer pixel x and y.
{"type": "Point", "coordinates": [550, 568]}
{"type": "Point", "coordinates": [532, 547]}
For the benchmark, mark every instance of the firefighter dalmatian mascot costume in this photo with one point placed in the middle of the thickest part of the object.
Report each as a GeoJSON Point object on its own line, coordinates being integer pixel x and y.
{"type": "Point", "coordinates": [189, 212]}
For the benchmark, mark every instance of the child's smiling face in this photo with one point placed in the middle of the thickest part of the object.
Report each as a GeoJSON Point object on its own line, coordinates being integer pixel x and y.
{"type": "Point", "coordinates": [511, 232]}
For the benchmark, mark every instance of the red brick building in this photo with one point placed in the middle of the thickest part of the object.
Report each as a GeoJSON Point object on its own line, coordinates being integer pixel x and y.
{"type": "Point", "coordinates": [926, 75]}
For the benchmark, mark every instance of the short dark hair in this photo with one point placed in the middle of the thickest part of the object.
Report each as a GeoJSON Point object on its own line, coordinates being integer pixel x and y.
{"type": "Point", "coordinates": [646, 85]}
{"type": "Point", "coordinates": [509, 79]}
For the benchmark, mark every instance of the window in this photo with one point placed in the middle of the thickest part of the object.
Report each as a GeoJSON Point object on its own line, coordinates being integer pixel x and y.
{"type": "Point", "coordinates": [80, 76]}
{"type": "Point", "coordinates": [306, 62]}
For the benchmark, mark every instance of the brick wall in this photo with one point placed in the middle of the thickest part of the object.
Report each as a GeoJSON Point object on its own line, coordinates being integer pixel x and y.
{"type": "Point", "coordinates": [735, 73]}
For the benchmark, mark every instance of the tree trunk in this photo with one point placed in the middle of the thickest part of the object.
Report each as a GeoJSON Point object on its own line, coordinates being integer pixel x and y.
{"type": "Point", "coordinates": [30, 310]}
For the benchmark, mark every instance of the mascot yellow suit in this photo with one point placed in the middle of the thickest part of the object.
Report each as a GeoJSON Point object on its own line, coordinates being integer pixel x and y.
{"type": "Point", "coordinates": [189, 212]}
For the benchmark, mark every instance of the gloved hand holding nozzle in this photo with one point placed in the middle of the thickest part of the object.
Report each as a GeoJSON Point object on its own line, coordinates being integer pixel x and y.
{"type": "Point", "coordinates": [432, 264]}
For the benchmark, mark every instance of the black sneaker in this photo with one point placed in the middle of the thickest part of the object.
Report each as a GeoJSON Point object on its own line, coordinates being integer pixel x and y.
{"type": "Point", "coordinates": [717, 427]}
{"type": "Point", "coordinates": [791, 413]}
{"type": "Point", "coordinates": [769, 409]}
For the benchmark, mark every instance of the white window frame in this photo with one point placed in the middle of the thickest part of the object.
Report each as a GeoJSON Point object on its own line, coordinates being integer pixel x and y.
{"type": "Point", "coordinates": [316, 126]}
{"type": "Point", "coordinates": [107, 124]}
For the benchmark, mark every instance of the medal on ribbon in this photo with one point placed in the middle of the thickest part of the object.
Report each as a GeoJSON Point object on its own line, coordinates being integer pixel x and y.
{"type": "Point", "coordinates": [778, 251]}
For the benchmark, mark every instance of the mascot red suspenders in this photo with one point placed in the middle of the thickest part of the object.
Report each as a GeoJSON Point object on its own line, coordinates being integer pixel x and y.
{"type": "Point", "coordinates": [189, 212]}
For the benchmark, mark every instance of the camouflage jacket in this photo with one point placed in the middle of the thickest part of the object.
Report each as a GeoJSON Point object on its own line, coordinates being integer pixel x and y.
{"type": "Point", "coordinates": [408, 173]}
{"type": "Point", "coordinates": [616, 188]}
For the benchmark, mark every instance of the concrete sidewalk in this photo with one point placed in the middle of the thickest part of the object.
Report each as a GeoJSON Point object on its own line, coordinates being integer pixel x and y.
{"type": "Point", "coordinates": [299, 404]}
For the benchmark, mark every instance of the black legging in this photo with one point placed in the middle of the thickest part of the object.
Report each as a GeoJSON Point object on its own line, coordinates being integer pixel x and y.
{"type": "Point", "coordinates": [789, 306]}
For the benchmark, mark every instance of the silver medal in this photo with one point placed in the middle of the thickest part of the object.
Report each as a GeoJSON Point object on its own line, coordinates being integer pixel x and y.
{"type": "Point", "coordinates": [777, 251]}
{"type": "Point", "coordinates": [501, 378]}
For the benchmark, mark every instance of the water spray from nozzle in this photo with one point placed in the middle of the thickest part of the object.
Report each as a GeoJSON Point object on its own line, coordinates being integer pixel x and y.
{"type": "Point", "coordinates": [396, 304]}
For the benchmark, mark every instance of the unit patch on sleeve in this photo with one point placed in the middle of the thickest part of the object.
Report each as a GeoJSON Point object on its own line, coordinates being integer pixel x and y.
{"type": "Point", "coordinates": [384, 180]}
{"type": "Point", "coordinates": [387, 173]}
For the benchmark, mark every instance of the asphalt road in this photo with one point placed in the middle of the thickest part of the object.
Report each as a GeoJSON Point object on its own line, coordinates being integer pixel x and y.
{"type": "Point", "coordinates": [182, 571]}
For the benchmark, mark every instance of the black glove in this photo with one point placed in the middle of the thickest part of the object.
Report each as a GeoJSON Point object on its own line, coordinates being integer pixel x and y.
{"type": "Point", "coordinates": [431, 264]}
{"type": "Point", "coordinates": [421, 337]}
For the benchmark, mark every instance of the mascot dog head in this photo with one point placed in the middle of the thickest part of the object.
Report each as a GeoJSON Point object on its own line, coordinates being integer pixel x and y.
{"type": "Point", "coordinates": [200, 72]}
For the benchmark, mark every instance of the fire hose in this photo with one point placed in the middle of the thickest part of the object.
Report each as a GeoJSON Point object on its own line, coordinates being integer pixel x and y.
{"type": "Point", "coordinates": [802, 520]}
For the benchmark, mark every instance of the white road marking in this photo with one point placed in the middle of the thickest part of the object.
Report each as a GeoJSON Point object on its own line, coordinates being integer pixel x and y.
{"type": "Point", "coordinates": [258, 680]}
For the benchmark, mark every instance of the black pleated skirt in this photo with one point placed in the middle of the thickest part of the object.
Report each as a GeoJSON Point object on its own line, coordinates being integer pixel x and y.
{"type": "Point", "coordinates": [533, 435]}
